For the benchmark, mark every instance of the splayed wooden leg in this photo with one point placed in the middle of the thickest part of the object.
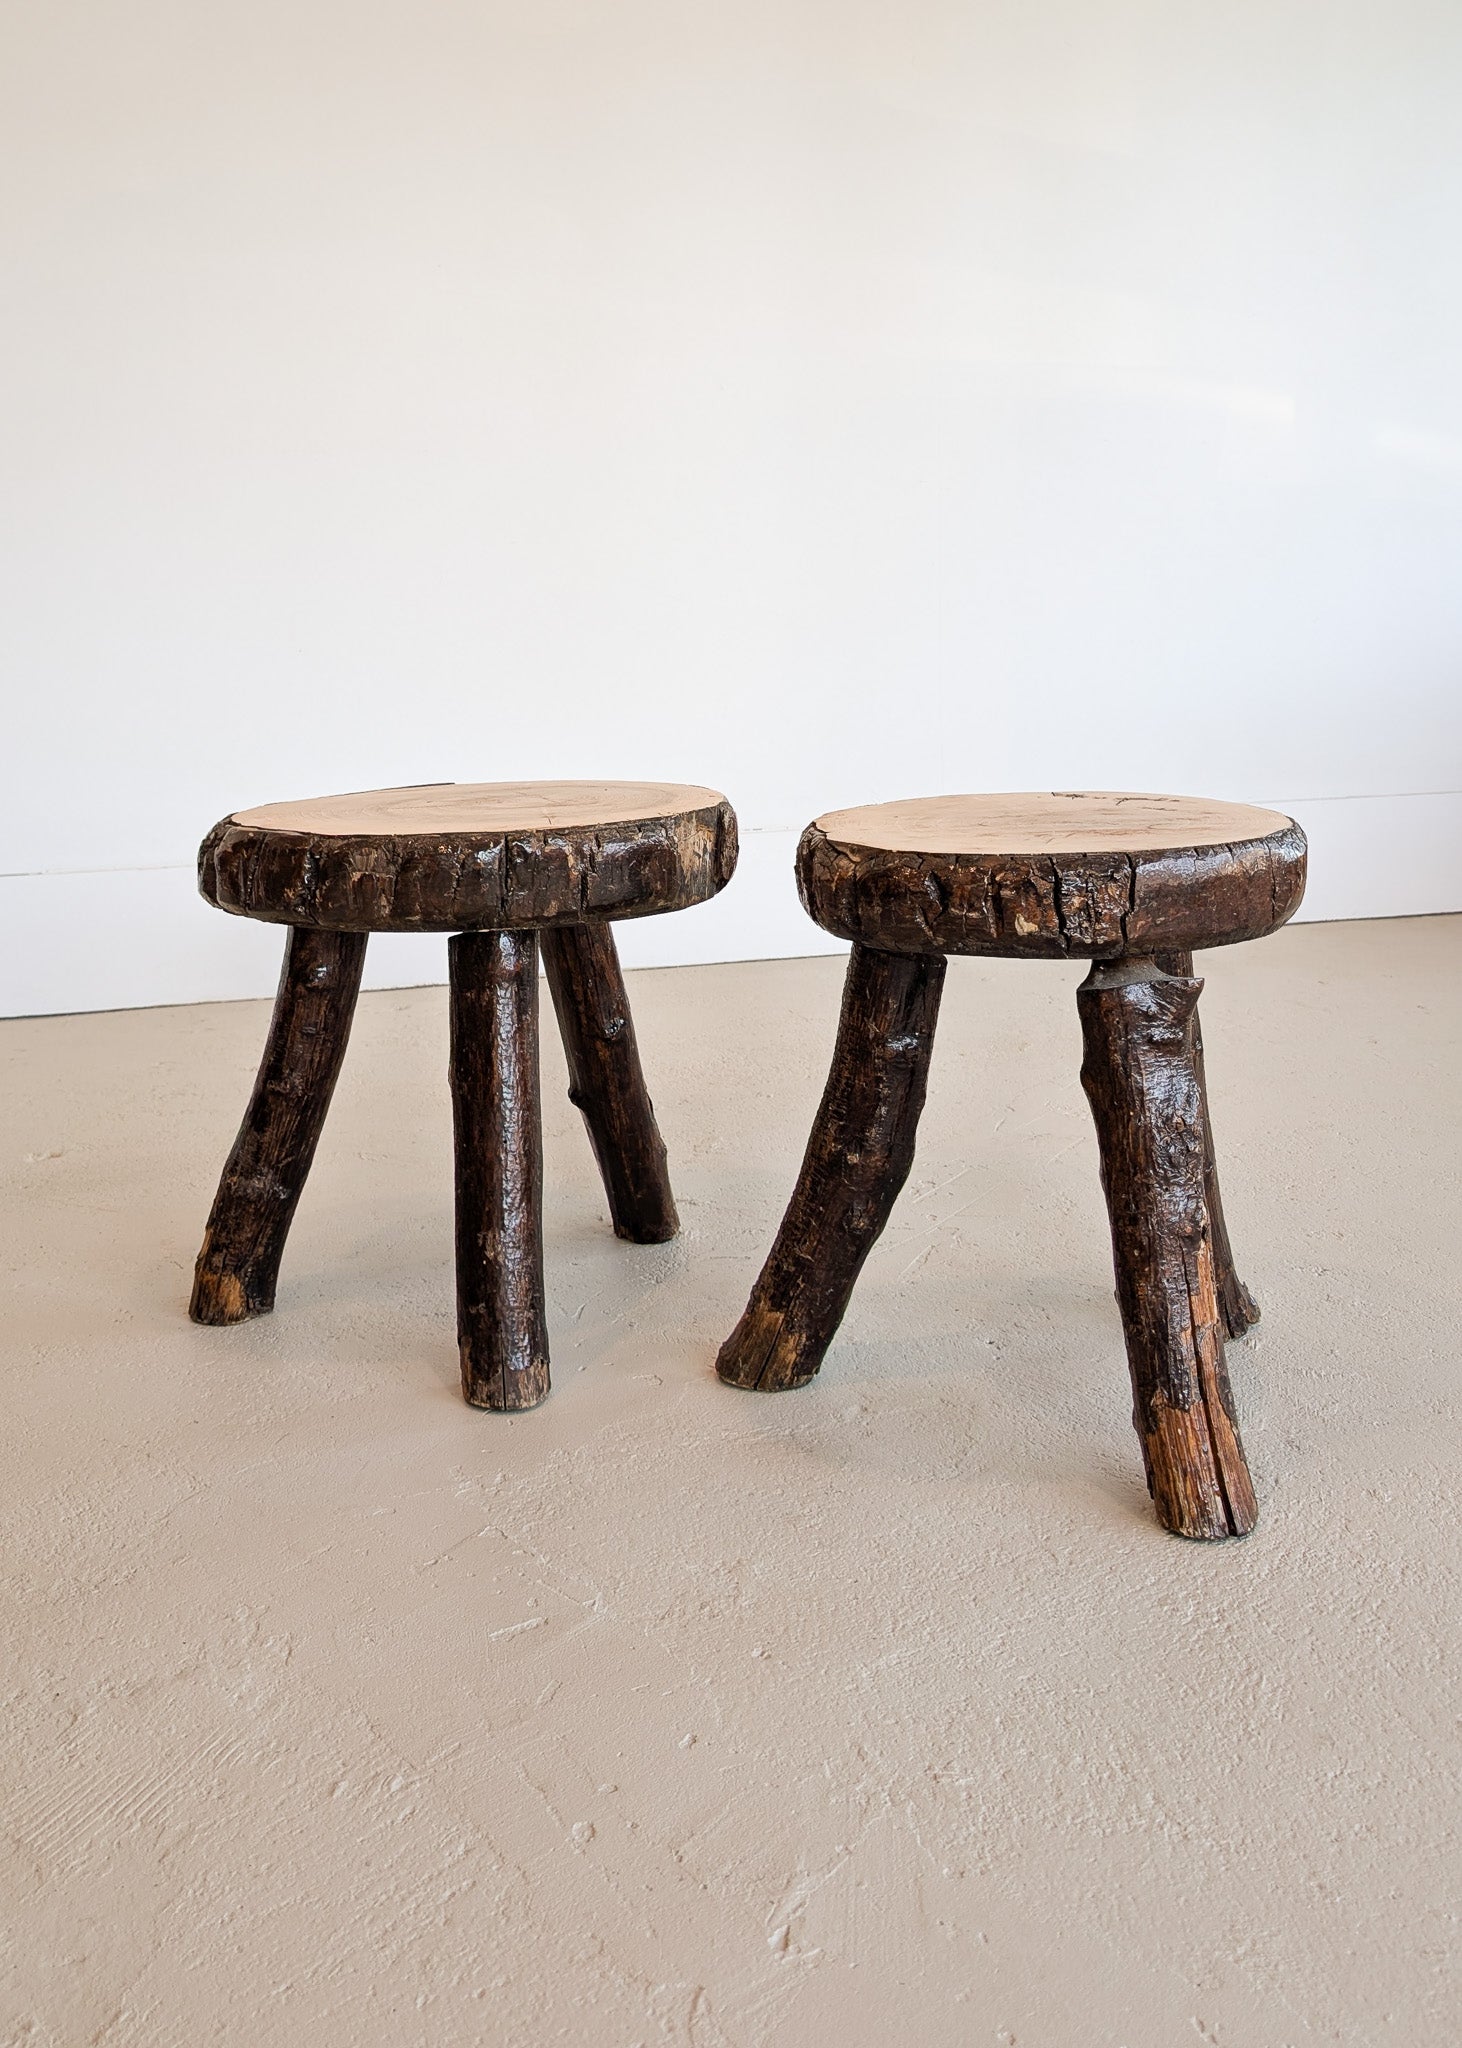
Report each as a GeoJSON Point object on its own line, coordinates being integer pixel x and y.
{"type": "Point", "coordinates": [238, 1267]}
{"type": "Point", "coordinates": [858, 1157]}
{"type": "Point", "coordinates": [1236, 1304]}
{"type": "Point", "coordinates": [1141, 1078]}
{"type": "Point", "coordinates": [606, 1082]}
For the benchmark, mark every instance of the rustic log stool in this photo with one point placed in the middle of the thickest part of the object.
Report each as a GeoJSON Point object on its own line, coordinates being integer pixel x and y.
{"type": "Point", "coordinates": [497, 865]}
{"type": "Point", "coordinates": [1134, 884]}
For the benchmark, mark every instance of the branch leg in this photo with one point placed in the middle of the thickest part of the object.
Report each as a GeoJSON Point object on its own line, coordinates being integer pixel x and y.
{"type": "Point", "coordinates": [606, 1083]}
{"type": "Point", "coordinates": [858, 1157]}
{"type": "Point", "coordinates": [1140, 1075]}
{"type": "Point", "coordinates": [1237, 1306]}
{"type": "Point", "coordinates": [501, 1325]}
{"type": "Point", "coordinates": [238, 1267]}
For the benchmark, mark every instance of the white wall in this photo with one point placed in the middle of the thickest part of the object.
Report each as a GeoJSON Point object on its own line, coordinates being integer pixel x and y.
{"type": "Point", "coordinates": [824, 399]}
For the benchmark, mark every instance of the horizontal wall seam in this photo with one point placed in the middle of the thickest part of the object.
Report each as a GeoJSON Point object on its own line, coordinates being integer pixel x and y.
{"type": "Point", "coordinates": [184, 867]}
{"type": "Point", "coordinates": [179, 867]}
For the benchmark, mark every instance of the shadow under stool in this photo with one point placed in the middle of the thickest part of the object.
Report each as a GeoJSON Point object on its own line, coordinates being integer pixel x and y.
{"type": "Point", "coordinates": [503, 867]}
{"type": "Point", "coordinates": [1135, 884]}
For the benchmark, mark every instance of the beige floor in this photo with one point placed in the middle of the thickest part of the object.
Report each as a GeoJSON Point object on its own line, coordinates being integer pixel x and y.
{"type": "Point", "coordinates": [880, 1713]}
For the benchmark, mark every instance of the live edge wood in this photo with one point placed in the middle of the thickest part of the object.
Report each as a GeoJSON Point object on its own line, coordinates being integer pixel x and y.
{"type": "Point", "coordinates": [1055, 904]}
{"type": "Point", "coordinates": [606, 1082]}
{"type": "Point", "coordinates": [501, 1324]}
{"type": "Point", "coordinates": [1140, 1075]}
{"type": "Point", "coordinates": [469, 880]}
{"type": "Point", "coordinates": [858, 1157]}
{"type": "Point", "coordinates": [238, 1267]}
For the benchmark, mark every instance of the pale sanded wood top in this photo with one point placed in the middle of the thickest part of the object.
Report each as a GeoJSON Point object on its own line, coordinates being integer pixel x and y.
{"type": "Point", "coordinates": [493, 809]}
{"type": "Point", "coordinates": [1057, 821]}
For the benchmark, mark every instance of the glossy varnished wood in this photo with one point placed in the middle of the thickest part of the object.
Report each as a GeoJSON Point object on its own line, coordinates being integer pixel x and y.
{"type": "Point", "coordinates": [238, 1267]}
{"type": "Point", "coordinates": [606, 1081]}
{"type": "Point", "coordinates": [858, 1157]}
{"type": "Point", "coordinates": [470, 857]}
{"type": "Point", "coordinates": [1140, 1076]}
{"type": "Point", "coordinates": [502, 1328]}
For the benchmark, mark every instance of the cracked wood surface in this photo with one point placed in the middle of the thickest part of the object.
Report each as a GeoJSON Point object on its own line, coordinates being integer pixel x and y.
{"type": "Point", "coordinates": [453, 857]}
{"type": "Point", "coordinates": [1141, 1079]}
{"type": "Point", "coordinates": [1051, 877]}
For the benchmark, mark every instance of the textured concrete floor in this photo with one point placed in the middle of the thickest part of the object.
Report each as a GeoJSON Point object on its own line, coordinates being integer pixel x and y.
{"type": "Point", "coordinates": [879, 1713]}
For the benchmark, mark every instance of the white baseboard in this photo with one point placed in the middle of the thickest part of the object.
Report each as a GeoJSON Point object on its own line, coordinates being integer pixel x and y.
{"type": "Point", "coordinates": [132, 938]}
{"type": "Point", "coordinates": [1381, 856]}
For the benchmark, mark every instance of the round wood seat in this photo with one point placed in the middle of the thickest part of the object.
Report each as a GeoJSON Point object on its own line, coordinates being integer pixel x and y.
{"type": "Point", "coordinates": [472, 856]}
{"type": "Point", "coordinates": [1052, 875]}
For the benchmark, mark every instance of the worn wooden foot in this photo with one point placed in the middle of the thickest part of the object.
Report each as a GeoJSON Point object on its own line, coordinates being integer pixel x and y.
{"type": "Point", "coordinates": [501, 1325]}
{"type": "Point", "coordinates": [238, 1266]}
{"type": "Point", "coordinates": [1140, 1075]}
{"type": "Point", "coordinates": [1237, 1307]}
{"type": "Point", "coordinates": [606, 1083]}
{"type": "Point", "coordinates": [858, 1157]}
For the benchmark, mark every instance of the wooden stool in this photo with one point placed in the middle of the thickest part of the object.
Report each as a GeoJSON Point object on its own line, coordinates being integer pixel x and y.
{"type": "Point", "coordinates": [496, 864]}
{"type": "Point", "coordinates": [1133, 884]}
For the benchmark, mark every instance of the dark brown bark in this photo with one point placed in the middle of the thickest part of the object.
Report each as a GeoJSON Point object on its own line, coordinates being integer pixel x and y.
{"type": "Point", "coordinates": [1140, 1077]}
{"type": "Point", "coordinates": [501, 1323]}
{"type": "Point", "coordinates": [606, 1082]}
{"type": "Point", "coordinates": [857, 1159]}
{"type": "Point", "coordinates": [1056, 905]}
{"type": "Point", "coordinates": [449, 882]}
{"type": "Point", "coordinates": [1237, 1306]}
{"type": "Point", "coordinates": [238, 1266]}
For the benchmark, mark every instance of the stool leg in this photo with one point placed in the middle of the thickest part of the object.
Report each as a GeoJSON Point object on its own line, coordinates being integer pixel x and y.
{"type": "Point", "coordinates": [1140, 1075]}
{"type": "Point", "coordinates": [1236, 1305]}
{"type": "Point", "coordinates": [501, 1325]}
{"type": "Point", "coordinates": [858, 1157]}
{"type": "Point", "coordinates": [606, 1084]}
{"type": "Point", "coordinates": [238, 1266]}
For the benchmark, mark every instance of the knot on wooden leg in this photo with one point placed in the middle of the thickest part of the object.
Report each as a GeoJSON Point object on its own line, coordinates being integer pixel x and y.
{"type": "Point", "coordinates": [1237, 1307]}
